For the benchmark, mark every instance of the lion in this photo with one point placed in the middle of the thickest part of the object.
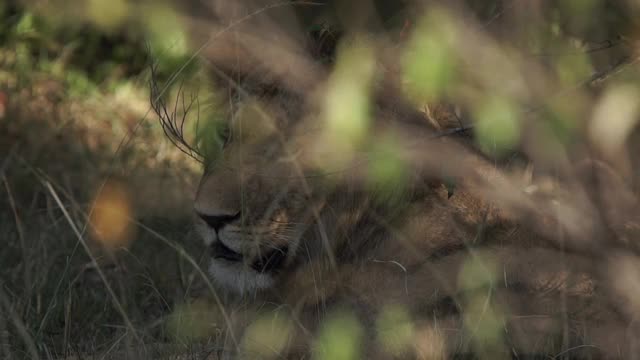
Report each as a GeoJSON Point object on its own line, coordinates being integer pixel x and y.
{"type": "Point", "coordinates": [287, 235]}
{"type": "Point", "coordinates": [449, 253]}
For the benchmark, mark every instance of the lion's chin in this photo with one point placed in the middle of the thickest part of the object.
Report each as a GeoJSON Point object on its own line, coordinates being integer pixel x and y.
{"type": "Point", "coordinates": [239, 279]}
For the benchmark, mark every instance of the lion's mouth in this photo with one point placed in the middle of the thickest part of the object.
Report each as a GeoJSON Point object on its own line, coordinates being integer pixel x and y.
{"type": "Point", "coordinates": [220, 251]}
{"type": "Point", "coordinates": [269, 262]}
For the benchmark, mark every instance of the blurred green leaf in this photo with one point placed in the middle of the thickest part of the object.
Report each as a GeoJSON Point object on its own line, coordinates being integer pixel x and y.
{"type": "Point", "coordinates": [395, 330]}
{"type": "Point", "coordinates": [498, 125]}
{"type": "Point", "coordinates": [482, 318]}
{"type": "Point", "coordinates": [479, 271]}
{"type": "Point", "coordinates": [348, 98]}
{"type": "Point", "coordinates": [486, 325]}
{"type": "Point", "coordinates": [79, 83]}
{"type": "Point", "coordinates": [26, 25]}
{"type": "Point", "coordinates": [430, 63]}
{"type": "Point", "coordinates": [388, 172]}
{"type": "Point", "coordinates": [340, 338]}
{"type": "Point", "coordinates": [572, 69]}
{"type": "Point", "coordinates": [561, 118]}
{"type": "Point", "coordinates": [190, 322]}
{"type": "Point", "coordinates": [347, 106]}
{"type": "Point", "coordinates": [168, 40]}
{"type": "Point", "coordinates": [267, 336]}
{"type": "Point", "coordinates": [24, 60]}
{"type": "Point", "coordinates": [108, 14]}
{"type": "Point", "coordinates": [208, 127]}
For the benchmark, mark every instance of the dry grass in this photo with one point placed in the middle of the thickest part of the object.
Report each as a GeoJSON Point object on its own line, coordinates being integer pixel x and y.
{"type": "Point", "coordinates": [68, 287]}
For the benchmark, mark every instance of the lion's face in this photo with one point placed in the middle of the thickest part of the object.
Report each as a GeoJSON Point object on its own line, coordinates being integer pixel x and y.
{"type": "Point", "coordinates": [282, 194]}
{"type": "Point", "coordinates": [256, 201]}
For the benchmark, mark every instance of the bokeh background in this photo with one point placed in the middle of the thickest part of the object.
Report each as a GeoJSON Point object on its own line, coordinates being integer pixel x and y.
{"type": "Point", "coordinates": [97, 252]}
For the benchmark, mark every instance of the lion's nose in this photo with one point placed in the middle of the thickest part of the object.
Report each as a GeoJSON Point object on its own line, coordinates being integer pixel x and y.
{"type": "Point", "coordinates": [217, 222]}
